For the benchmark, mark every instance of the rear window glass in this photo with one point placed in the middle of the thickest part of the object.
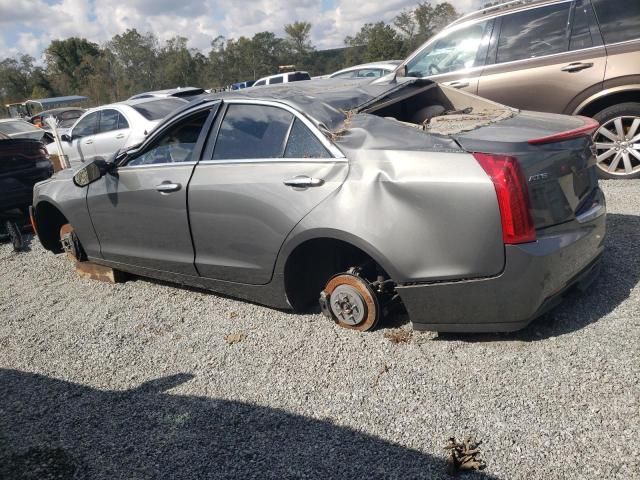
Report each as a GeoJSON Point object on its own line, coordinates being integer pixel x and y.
{"type": "Point", "coordinates": [16, 127]}
{"type": "Point", "coordinates": [158, 109]}
{"type": "Point", "coordinates": [619, 19]}
{"type": "Point", "coordinates": [534, 33]}
{"type": "Point", "coordinates": [252, 131]}
{"type": "Point", "coordinates": [298, 76]}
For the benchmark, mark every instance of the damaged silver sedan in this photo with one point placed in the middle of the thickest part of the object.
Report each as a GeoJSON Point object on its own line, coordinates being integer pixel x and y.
{"type": "Point", "coordinates": [471, 215]}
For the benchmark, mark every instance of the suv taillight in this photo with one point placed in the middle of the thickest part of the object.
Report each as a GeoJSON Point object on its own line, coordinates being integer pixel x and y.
{"type": "Point", "coordinates": [513, 197]}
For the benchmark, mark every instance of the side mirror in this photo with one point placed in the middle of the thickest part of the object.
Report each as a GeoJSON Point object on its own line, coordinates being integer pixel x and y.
{"type": "Point", "coordinates": [65, 138]}
{"type": "Point", "coordinates": [91, 172]}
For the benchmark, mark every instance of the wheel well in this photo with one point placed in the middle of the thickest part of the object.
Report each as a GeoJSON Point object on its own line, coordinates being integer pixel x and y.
{"type": "Point", "coordinates": [48, 221]}
{"type": "Point", "coordinates": [609, 100]}
{"type": "Point", "coordinates": [310, 266]}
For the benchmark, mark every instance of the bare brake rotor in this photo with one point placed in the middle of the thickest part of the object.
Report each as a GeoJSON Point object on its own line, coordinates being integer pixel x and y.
{"type": "Point", "coordinates": [350, 302]}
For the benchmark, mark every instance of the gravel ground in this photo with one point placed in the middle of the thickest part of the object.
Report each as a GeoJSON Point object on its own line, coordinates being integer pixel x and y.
{"type": "Point", "coordinates": [144, 380]}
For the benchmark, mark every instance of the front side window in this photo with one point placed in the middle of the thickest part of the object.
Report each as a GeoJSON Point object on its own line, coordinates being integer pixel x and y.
{"type": "Point", "coordinates": [87, 126]}
{"type": "Point", "coordinates": [111, 120]}
{"type": "Point", "coordinates": [176, 145]}
{"type": "Point", "coordinates": [304, 144]}
{"type": "Point", "coordinates": [260, 82]}
{"type": "Point", "coordinates": [619, 19]}
{"type": "Point", "coordinates": [276, 80]}
{"type": "Point", "coordinates": [252, 131]}
{"type": "Point", "coordinates": [458, 50]}
{"type": "Point", "coordinates": [534, 33]}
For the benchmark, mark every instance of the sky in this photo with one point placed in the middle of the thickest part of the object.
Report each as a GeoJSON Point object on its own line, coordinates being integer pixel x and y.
{"type": "Point", "coordinates": [28, 26]}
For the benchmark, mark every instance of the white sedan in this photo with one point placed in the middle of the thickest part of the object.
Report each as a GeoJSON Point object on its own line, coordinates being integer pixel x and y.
{"type": "Point", "coordinates": [104, 130]}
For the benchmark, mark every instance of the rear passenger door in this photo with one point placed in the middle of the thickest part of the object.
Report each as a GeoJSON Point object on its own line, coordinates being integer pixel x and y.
{"type": "Point", "coordinates": [264, 168]}
{"type": "Point", "coordinates": [113, 131]}
{"type": "Point", "coordinates": [546, 58]}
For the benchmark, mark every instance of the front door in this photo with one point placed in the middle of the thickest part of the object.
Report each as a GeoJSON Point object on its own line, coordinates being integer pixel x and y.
{"type": "Point", "coordinates": [81, 148]}
{"type": "Point", "coordinates": [268, 169]}
{"type": "Point", "coordinates": [113, 132]}
{"type": "Point", "coordinates": [547, 58]}
{"type": "Point", "coordinates": [139, 211]}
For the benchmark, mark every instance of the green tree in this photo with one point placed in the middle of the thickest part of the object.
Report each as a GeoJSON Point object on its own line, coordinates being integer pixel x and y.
{"type": "Point", "coordinates": [136, 59]}
{"type": "Point", "coordinates": [298, 40]}
{"type": "Point", "coordinates": [382, 42]}
{"type": "Point", "coordinates": [69, 62]}
{"type": "Point", "coordinates": [425, 20]}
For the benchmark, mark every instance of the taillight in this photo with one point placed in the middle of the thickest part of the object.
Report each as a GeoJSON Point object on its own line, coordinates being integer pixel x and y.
{"type": "Point", "coordinates": [590, 126]}
{"type": "Point", "coordinates": [513, 197]}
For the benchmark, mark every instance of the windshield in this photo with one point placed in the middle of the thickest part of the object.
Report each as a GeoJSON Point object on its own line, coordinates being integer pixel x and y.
{"type": "Point", "coordinates": [158, 109]}
{"type": "Point", "coordinates": [460, 49]}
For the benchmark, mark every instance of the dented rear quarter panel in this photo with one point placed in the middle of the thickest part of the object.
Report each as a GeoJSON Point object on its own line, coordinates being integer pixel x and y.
{"type": "Point", "coordinates": [424, 209]}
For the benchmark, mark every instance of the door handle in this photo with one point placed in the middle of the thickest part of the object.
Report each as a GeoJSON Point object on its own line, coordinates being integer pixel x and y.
{"type": "Point", "coordinates": [458, 84]}
{"type": "Point", "coordinates": [303, 181]}
{"type": "Point", "coordinates": [168, 187]}
{"type": "Point", "coordinates": [88, 142]}
{"type": "Point", "coordinates": [119, 136]}
{"type": "Point", "coordinates": [576, 67]}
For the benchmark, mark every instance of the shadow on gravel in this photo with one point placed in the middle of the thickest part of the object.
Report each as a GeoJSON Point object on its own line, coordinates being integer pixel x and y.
{"type": "Point", "coordinates": [56, 429]}
{"type": "Point", "coordinates": [620, 274]}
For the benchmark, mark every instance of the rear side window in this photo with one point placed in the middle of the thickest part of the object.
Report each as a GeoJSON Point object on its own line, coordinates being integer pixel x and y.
{"type": "Point", "coordinates": [534, 33]}
{"type": "Point", "coordinates": [252, 131]}
{"type": "Point", "coordinates": [276, 80]}
{"type": "Point", "coordinates": [619, 19]}
{"type": "Point", "coordinates": [350, 74]}
{"type": "Point", "coordinates": [112, 120]}
{"type": "Point", "coordinates": [304, 144]}
{"type": "Point", "coordinates": [158, 109]}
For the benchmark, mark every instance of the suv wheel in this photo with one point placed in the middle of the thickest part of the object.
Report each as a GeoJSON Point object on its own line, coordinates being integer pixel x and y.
{"type": "Point", "coordinates": [618, 141]}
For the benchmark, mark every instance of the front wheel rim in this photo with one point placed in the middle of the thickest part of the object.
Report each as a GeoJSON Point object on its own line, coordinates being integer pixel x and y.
{"type": "Point", "coordinates": [617, 145]}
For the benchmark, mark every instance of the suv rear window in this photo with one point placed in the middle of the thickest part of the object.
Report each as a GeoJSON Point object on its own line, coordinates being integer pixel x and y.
{"type": "Point", "coordinates": [534, 33]}
{"type": "Point", "coordinates": [619, 19]}
{"type": "Point", "coordinates": [157, 109]}
{"type": "Point", "coordinates": [298, 76]}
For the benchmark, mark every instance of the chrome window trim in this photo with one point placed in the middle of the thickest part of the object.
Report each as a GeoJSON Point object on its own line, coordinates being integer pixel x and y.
{"type": "Point", "coordinates": [273, 160]}
{"type": "Point", "coordinates": [333, 150]}
{"type": "Point", "coordinates": [552, 55]}
{"type": "Point", "coordinates": [155, 165]}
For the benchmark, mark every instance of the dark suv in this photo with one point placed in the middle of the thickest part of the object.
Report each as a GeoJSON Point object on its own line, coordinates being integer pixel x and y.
{"type": "Point", "coordinates": [577, 57]}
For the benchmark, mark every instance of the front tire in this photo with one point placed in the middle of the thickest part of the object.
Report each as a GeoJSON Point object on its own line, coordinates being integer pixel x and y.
{"type": "Point", "coordinates": [617, 141]}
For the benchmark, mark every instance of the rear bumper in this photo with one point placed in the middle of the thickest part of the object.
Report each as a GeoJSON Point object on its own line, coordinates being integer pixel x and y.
{"type": "Point", "coordinates": [535, 278]}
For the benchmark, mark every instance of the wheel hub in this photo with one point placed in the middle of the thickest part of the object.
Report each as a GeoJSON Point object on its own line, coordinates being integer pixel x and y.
{"type": "Point", "coordinates": [618, 146]}
{"type": "Point", "coordinates": [348, 305]}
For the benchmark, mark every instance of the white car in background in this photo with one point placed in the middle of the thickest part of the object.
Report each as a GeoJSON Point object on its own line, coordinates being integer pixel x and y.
{"type": "Point", "coordinates": [102, 131]}
{"type": "Point", "coordinates": [282, 78]}
{"type": "Point", "coordinates": [366, 70]}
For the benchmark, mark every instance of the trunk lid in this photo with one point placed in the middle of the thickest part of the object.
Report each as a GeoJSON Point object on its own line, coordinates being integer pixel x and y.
{"type": "Point", "coordinates": [560, 173]}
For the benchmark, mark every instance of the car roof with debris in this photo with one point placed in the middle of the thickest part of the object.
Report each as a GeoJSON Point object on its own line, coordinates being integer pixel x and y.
{"type": "Point", "coordinates": [326, 101]}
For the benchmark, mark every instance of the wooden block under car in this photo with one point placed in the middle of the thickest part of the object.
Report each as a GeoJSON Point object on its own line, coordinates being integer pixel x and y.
{"type": "Point", "coordinates": [93, 271]}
